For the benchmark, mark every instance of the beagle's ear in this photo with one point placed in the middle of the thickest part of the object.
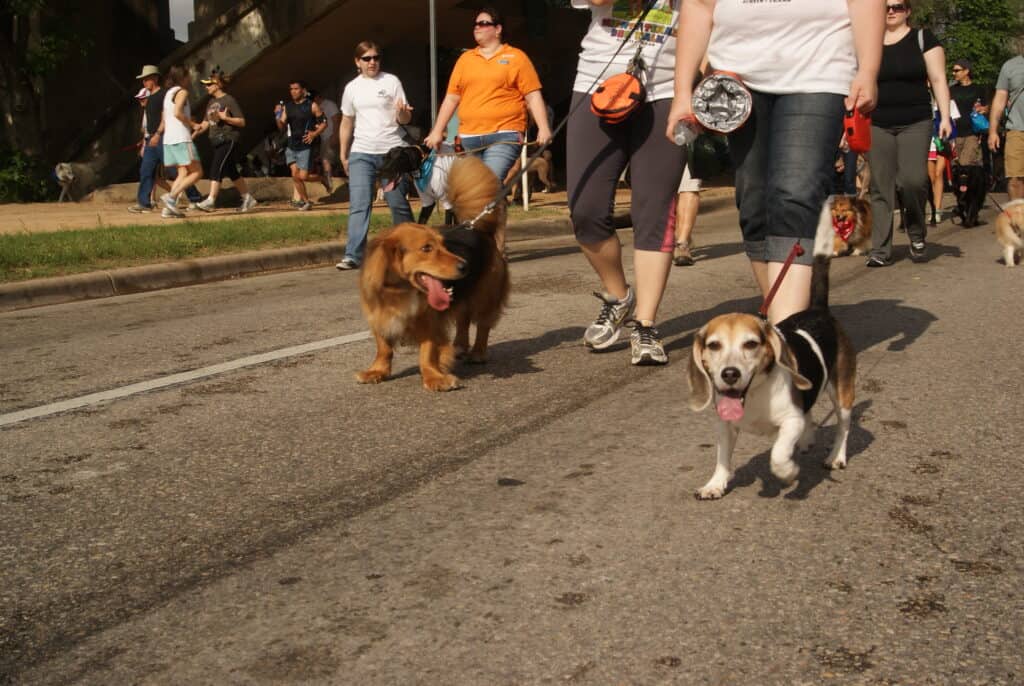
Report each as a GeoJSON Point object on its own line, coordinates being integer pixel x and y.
{"type": "Point", "coordinates": [784, 357]}
{"type": "Point", "coordinates": [700, 382]}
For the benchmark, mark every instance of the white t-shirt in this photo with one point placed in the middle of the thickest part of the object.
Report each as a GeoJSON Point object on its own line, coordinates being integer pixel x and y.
{"type": "Point", "coordinates": [372, 103]}
{"type": "Point", "coordinates": [329, 109]}
{"type": "Point", "coordinates": [174, 130]}
{"type": "Point", "coordinates": [609, 24]}
{"type": "Point", "coordinates": [785, 46]}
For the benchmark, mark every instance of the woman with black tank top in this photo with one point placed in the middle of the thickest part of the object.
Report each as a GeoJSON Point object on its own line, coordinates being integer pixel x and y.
{"type": "Point", "coordinates": [901, 130]}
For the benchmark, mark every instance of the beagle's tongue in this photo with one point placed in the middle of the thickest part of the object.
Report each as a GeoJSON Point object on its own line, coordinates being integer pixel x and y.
{"type": "Point", "coordinates": [729, 409]}
{"type": "Point", "coordinates": [437, 296]}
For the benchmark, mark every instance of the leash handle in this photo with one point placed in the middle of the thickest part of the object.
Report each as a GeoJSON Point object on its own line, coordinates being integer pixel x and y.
{"type": "Point", "coordinates": [794, 253]}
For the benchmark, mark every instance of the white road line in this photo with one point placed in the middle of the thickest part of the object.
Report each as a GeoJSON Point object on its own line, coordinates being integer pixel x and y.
{"type": "Point", "coordinates": [184, 377]}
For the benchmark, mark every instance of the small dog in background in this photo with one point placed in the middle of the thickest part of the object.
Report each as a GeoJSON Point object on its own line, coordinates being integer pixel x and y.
{"type": "Point", "coordinates": [64, 173]}
{"type": "Point", "coordinates": [969, 189]}
{"type": "Point", "coordinates": [540, 170]}
{"type": "Point", "coordinates": [1010, 231]}
{"type": "Point", "coordinates": [851, 219]}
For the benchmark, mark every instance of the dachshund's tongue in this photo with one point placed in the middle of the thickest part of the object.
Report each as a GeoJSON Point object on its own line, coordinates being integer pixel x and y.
{"type": "Point", "coordinates": [730, 409]}
{"type": "Point", "coordinates": [389, 185]}
{"type": "Point", "coordinates": [963, 189]}
{"type": "Point", "coordinates": [437, 296]}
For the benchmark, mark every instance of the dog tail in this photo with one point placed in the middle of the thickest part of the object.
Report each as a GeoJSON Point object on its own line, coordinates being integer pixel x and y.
{"type": "Point", "coordinates": [471, 187]}
{"type": "Point", "coordinates": [823, 242]}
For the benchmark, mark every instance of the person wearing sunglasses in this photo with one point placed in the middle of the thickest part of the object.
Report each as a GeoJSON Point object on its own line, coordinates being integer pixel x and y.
{"type": "Point", "coordinates": [304, 122]}
{"type": "Point", "coordinates": [224, 122]}
{"type": "Point", "coordinates": [492, 87]}
{"type": "Point", "coordinates": [902, 130]}
{"type": "Point", "coordinates": [373, 109]}
{"type": "Point", "coordinates": [805, 63]}
{"type": "Point", "coordinates": [969, 97]}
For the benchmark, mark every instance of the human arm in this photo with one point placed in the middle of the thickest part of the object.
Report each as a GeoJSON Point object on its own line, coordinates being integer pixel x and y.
{"type": "Point", "coordinates": [280, 116]}
{"type": "Point", "coordinates": [180, 99]}
{"type": "Point", "coordinates": [935, 63]}
{"type": "Point", "coordinates": [695, 22]}
{"type": "Point", "coordinates": [444, 115]}
{"type": "Point", "coordinates": [995, 114]}
{"type": "Point", "coordinates": [345, 139]}
{"type": "Point", "coordinates": [321, 125]}
{"type": "Point", "coordinates": [539, 112]}
{"type": "Point", "coordinates": [867, 18]}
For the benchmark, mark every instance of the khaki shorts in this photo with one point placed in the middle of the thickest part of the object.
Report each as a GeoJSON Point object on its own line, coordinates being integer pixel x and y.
{"type": "Point", "coordinates": [968, 151]}
{"type": "Point", "coordinates": [1013, 159]}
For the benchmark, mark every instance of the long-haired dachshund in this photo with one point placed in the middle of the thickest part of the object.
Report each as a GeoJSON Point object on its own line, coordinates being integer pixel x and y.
{"type": "Point", "coordinates": [417, 281]}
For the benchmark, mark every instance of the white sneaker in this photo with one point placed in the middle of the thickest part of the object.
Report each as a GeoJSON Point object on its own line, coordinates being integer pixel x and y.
{"type": "Point", "coordinates": [169, 202]}
{"type": "Point", "coordinates": [168, 213]}
{"type": "Point", "coordinates": [207, 205]}
{"type": "Point", "coordinates": [248, 202]}
{"type": "Point", "coordinates": [346, 264]}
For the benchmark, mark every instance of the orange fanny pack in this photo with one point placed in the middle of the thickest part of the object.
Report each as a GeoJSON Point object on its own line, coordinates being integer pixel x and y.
{"type": "Point", "coordinates": [618, 97]}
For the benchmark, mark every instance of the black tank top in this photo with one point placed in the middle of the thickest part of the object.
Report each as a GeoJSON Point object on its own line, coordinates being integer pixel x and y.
{"type": "Point", "coordinates": [300, 120]}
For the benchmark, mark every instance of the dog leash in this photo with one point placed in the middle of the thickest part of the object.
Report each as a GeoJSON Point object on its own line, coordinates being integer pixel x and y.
{"type": "Point", "coordinates": [794, 252]}
{"type": "Point", "coordinates": [1006, 212]}
{"type": "Point", "coordinates": [507, 187]}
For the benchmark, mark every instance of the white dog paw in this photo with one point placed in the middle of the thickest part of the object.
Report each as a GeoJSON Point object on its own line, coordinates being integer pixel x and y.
{"type": "Point", "coordinates": [710, 491]}
{"type": "Point", "coordinates": [786, 472]}
{"type": "Point", "coordinates": [836, 462]}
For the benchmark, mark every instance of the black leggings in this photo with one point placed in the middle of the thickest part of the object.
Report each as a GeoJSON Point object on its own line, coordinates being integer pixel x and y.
{"type": "Point", "coordinates": [224, 163]}
{"type": "Point", "coordinates": [597, 155]}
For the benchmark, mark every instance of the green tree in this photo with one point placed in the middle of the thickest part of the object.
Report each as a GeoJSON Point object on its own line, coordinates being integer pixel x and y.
{"type": "Point", "coordinates": [986, 32]}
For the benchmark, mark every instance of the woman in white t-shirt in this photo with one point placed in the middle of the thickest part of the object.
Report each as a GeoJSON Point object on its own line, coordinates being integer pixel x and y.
{"type": "Point", "coordinates": [804, 63]}
{"type": "Point", "coordinates": [597, 152]}
{"type": "Point", "coordinates": [178, 128]}
{"type": "Point", "coordinates": [373, 107]}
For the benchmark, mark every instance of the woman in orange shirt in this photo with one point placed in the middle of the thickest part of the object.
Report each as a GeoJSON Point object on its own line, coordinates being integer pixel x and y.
{"type": "Point", "coordinates": [492, 86]}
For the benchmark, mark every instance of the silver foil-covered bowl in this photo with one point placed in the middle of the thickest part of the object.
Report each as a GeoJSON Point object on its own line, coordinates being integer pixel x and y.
{"type": "Point", "coordinates": [721, 102]}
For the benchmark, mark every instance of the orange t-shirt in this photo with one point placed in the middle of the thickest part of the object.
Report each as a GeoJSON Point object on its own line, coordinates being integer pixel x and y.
{"type": "Point", "coordinates": [492, 90]}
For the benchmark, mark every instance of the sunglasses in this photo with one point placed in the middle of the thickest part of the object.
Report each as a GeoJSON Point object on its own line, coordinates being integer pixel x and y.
{"type": "Point", "coordinates": [956, 69]}
{"type": "Point", "coordinates": [896, 9]}
{"type": "Point", "coordinates": [370, 58]}
{"type": "Point", "coordinates": [481, 24]}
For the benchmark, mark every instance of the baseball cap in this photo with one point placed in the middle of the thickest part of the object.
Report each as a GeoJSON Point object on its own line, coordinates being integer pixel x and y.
{"type": "Point", "coordinates": [149, 70]}
{"type": "Point", "coordinates": [142, 94]}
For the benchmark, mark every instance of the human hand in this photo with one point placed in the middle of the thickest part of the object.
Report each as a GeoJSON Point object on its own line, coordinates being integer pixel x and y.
{"type": "Point", "coordinates": [154, 140]}
{"type": "Point", "coordinates": [863, 93]}
{"type": "Point", "coordinates": [543, 135]}
{"type": "Point", "coordinates": [401, 106]}
{"type": "Point", "coordinates": [222, 114]}
{"type": "Point", "coordinates": [945, 129]}
{"type": "Point", "coordinates": [344, 165]}
{"type": "Point", "coordinates": [433, 140]}
{"type": "Point", "coordinates": [993, 139]}
{"type": "Point", "coordinates": [682, 108]}
{"type": "Point", "coordinates": [308, 137]}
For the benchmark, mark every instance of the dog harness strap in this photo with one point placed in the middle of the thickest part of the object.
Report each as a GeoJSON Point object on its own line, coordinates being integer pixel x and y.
{"type": "Point", "coordinates": [426, 168]}
{"type": "Point", "coordinates": [794, 252]}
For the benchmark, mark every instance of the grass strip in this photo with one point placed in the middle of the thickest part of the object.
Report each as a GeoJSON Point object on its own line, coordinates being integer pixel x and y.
{"type": "Point", "coordinates": [36, 255]}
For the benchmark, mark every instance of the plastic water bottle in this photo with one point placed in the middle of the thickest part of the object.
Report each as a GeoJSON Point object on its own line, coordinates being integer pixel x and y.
{"type": "Point", "coordinates": [685, 132]}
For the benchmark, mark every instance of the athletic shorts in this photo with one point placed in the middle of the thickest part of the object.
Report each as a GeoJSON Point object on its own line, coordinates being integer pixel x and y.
{"type": "Point", "coordinates": [225, 161]}
{"type": "Point", "coordinates": [179, 155]}
{"type": "Point", "coordinates": [300, 158]}
{"type": "Point", "coordinates": [1013, 156]}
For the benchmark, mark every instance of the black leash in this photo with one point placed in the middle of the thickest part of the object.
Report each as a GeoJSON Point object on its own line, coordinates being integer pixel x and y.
{"type": "Point", "coordinates": [507, 187]}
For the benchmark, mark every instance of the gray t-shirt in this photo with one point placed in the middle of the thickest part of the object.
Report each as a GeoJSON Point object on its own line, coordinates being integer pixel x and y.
{"type": "Point", "coordinates": [1011, 79]}
{"type": "Point", "coordinates": [221, 131]}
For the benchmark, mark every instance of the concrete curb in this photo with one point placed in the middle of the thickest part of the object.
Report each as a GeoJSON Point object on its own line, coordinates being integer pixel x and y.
{"type": "Point", "coordinates": [63, 289]}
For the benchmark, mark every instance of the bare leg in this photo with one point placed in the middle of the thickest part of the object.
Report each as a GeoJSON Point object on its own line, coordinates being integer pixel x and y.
{"type": "Point", "coordinates": [651, 269]}
{"type": "Point", "coordinates": [687, 207]}
{"type": "Point", "coordinates": [794, 294]}
{"type": "Point", "coordinates": [606, 259]}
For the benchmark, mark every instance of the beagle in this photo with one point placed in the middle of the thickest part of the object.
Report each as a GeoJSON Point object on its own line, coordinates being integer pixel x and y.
{"type": "Point", "coordinates": [766, 378]}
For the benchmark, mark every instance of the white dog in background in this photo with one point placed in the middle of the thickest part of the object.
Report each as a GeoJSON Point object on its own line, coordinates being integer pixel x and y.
{"type": "Point", "coordinates": [65, 176]}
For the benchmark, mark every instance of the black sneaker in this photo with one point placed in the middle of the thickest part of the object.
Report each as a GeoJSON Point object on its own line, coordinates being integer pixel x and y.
{"type": "Point", "coordinates": [918, 251]}
{"type": "Point", "coordinates": [878, 261]}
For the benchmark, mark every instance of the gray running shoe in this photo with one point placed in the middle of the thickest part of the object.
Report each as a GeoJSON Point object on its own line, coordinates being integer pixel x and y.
{"type": "Point", "coordinates": [168, 213]}
{"type": "Point", "coordinates": [139, 209]}
{"type": "Point", "coordinates": [645, 343]}
{"type": "Point", "coordinates": [207, 205]}
{"type": "Point", "coordinates": [248, 202]}
{"type": "Point", "coordinates": [346, 264]}
{"type": "Point", "coordinates": [605, 329]}
{"type": "Point", "coordinates": [304, 207]}
{"type": "Point", "coordinates": [169, 202]}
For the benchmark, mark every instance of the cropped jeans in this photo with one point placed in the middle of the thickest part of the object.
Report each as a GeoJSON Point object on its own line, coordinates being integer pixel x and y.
{"type": "Point", "coordinates": [784, 157]}
{"type": "Point", "coordinates": [362, 178]}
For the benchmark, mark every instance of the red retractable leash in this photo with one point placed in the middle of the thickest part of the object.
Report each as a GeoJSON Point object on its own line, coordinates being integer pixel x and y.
{"type": "Point", "coordinates": [795, 252]}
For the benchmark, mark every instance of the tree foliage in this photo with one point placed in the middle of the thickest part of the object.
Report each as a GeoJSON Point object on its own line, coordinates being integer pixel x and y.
{"type": "Point", "coordinates": [986, 32]}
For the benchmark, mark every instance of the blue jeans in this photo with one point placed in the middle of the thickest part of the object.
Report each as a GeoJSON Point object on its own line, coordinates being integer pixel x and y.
{"type": "Point", "coordinates": [152, 158]}
{"type": "Point", "coordinates": [784, 158]}
{"type": "Point", "coordinates": [498, 158]}
{"type": "Point", "coordinates": [362, 177]}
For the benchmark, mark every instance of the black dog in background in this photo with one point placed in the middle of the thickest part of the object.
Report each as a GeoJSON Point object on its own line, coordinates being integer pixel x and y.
{"type": "Point", "coordinates": [969, 188]}
{"type": "Point", "coordinates": [406, 160]}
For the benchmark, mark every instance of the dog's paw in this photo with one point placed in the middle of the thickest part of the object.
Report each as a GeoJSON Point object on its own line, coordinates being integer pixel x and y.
{"type": "Point", "coordinates": [710, 491]}
{"type": "Point", "coordinates": [835, 461]}
{"type": "Point", "coordinates": [476, 357]}
{"type": "Point", "coordinates": [786, 472]}
{"type": "Point", "coordinates": [371, 376]}
{"type": "Point", "coordinates": [441, 382]}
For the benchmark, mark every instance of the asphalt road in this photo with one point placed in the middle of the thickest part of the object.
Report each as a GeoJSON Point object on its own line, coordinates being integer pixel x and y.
{"type": "Point", "coordinates": [280, 523]}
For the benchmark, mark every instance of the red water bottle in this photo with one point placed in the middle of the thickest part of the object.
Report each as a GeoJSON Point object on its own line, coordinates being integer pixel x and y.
{"type": "Point", "coordinates": [858, 131]}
